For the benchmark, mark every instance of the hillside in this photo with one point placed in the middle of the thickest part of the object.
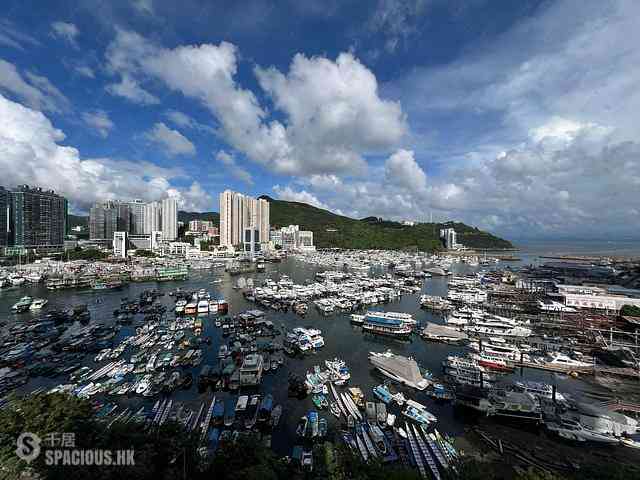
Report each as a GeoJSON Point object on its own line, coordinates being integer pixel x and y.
{"type": "Point", "coordinates": [207, 216]}
{"type": "Point", "coordinates": [331, 230]}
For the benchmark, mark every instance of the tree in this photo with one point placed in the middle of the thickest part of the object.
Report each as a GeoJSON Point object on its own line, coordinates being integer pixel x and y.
{"type": "Point", "coordinates": [630, 310]}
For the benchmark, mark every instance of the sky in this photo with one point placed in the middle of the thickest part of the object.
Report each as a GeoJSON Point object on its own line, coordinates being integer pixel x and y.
{"type": "Point", "coordinates": [520, 118]}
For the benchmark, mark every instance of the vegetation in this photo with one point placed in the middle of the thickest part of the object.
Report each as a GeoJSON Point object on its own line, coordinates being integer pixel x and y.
{"type": "Point", "coordinates": [337, 231]}
{"type": "Point", "coordinates": [186, 217]}
{"type": "Point", "coordinates": [630, 311]}
{"type": "Point", "coordinates": [85, 254]}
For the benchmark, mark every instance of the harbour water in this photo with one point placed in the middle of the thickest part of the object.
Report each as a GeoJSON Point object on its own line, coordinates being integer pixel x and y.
{"type": "Point", "coordinates": [342, 340]}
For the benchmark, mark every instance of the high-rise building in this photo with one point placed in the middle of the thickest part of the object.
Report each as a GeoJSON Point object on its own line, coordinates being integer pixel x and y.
{"type": "Point", "coordinates": [105, 218]}
{"type": "Point", "coordinates": [239, 212]}
{"type": "Point", "coordinates": [120, 244]}
{"type": "Point", "coordinates": [136, 217]}
{"type": "Point", "coordinates": [38, 218]}
{"type": "Point", "coordinates": [5, 202]}
{"type": "Point", "coordinates": [169, 219]}
{"type": "Point", "coordinates": [448, 237]}
{"type": "Point", "coordinates": [152, 217]}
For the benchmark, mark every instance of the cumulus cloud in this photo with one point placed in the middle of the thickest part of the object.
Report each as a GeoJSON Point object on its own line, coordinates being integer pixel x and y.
{"type": "Point", "coordinates": [30, 141]}
{"type": "Point", "coordinates": [334, 114]}
{"type": "Point", "coordinates": [35, 90]}
{"type": "Point", "coordinates": [65, 31]}
{"type": "Point", "coordinates": [233, 168]}
{"type": "Point", "coordinates": [287, 193]}
{"type": "Point", "coordinates": [99, 121]}
{"type": "Point", "coordinates": [401, 169]}
{"type": "Point", "coordinates": [195, 198]}
{"type": "Point", "coordinates": [131, 90]}
{"type": "Point", "coordinates": [172, 141]}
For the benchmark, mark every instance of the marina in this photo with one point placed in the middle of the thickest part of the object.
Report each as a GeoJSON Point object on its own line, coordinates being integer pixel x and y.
{"type": "Point", "coordinates": [143, 349]}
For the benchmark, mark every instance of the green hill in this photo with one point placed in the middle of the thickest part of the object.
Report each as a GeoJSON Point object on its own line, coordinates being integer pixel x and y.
{"type": "Point", "coordinates": [186, 217]}
{"type": "Point", "coordinates": [331, 230]}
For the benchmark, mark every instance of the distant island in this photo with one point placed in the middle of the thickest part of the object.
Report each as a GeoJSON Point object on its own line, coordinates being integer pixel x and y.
{"type": "Point", "coordinates": [337, 231]}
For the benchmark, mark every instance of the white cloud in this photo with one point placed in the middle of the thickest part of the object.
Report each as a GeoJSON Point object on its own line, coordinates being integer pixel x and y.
{"type": "Point", "coordinates": [10, 36]}
{"type": "Point", "coordinates": [233, 168]}
{"type": "Point", "coordinates": [36, 91]}
{"type": "Point", "coordinates": [401, 169]}
{"type": "Point", "coordinates": [172, 141]}
{"type": "Point", "coordinates": [194, 199]}
{"type": "Point", "coordinates": [85, 71]}
{"type": "Point", "coordinates": [144, 6]}
{"type": "Point", "coordinates": [129, 89]}
{"type": "Point", "coordinates": [334, 114]}
{"type": "Point", "coordinates": [30, 141]}
{"type": "Point", "coordinates": [65, 31]}
{"type": "Point", "coordinates": [183, 120]}
{"type": "Point", "coordinates": [287, 193]}
{"type": "Point", "coordinates": [98, 120]}
{"type": "Point", "coordinates": [396, 20]}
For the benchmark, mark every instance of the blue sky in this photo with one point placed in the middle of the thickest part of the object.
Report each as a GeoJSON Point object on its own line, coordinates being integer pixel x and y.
{"type": "Point", "coordinates": [518, 117]}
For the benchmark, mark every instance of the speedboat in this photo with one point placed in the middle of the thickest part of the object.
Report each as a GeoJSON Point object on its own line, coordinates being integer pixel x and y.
{"type": "Point", "coordinates": [38, 303]}
{"type": "Point", "coordinates": [22, 305]}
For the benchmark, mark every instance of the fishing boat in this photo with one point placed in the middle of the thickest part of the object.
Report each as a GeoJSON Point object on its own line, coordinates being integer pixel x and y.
{"type": "Point", "coordinates": [312, 431]}
{"type": "Point", "coordinates": [381, 414]}
{"type": "Point", "coordinates": [382, 393]}
{"type": "Point", "coordinates": [415, 451]}
{"type": "Point", "coordinates": [229, 417]}
{"type": "Point", "coordinates": [427, 454]}
{"type": "Point", "coordinates": [320, 401]}
{"type": "Point", "coordinates": [335, 409]}
{"type": "Point", "coordinates": [379, 439]}
{"type": "Point", "coordinates": [218, 412]}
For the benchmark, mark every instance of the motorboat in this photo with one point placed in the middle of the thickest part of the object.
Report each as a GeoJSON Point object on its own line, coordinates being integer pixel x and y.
{"type": "Point", "coordinates": [38, 303]}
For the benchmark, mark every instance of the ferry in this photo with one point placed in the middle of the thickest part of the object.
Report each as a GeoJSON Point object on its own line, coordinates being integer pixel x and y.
{"type": "Point", "coordinates": [405, 318]}
{"type": "Point", "coordinates": [466, 371]}
{"type": "Point", "coordinates": [386, 326]}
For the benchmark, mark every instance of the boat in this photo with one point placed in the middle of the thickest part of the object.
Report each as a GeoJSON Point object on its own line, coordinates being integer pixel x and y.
{"type": "Point", "coordinates": [370, 409]}
{"type": "Point", "coordinates": [334, 408]}
{"type": "Point", "coordinates": [320, 401]}
{"type": "Point", "coordinates": [241, 403]}
{"type": "Point", "coordinates": [191, 308]}
{"type": "Point", "coordinates": [382, 393]}
{"type": "Point", "coordinates": [322, 428]}
{"type": "Point", "coordinates": [301, 429]}
{"type": "Point", "coordinates": [229, 417]}
{"type": "Point", "coordinates": [379, 440]}
{"type": "Point", "coordinates": [466, 371]}
{"type": "Point", "coordinates": [401, 369]}
{"type": "Point", "coordinates": [22, 305]}
{"type": "Point", "coordinates": [312, 431]}
{"type": "Point", "coordinates": [38, 303]}
{"type": "Point", "coordinates": [418, 415]}
{"type": "Point", "coordinates": [562, 360]}
{"type": "Point", "coordinates": [427, 454]}
{"type": "Point", "coordinates": [180, 306]}
{"type": "Point", "coordinates": [391, 327]}
{"type": "Point", "coordinates": [276, 413]}
{"type": "Point", "coordinates": [265, 408]}
{"type": "Point", "coordinates": [381, 413]}
{"type": "Point", "coordinates": [415, 451]}
{"type": "Point", "coordinates": [362, 447]}
{"type": "Point", "coordinates": [218, 412]}
{"type": "Point", "coordinates": [203, 306]}
{"type": "Point", "coordinates": [495, 362]}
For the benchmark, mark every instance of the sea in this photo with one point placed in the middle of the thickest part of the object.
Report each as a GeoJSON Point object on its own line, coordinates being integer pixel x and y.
{"type": "Point", "coordinates": [342, 339]}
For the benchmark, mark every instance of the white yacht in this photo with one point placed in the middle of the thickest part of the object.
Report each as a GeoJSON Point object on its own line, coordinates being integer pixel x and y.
{"type": "Point", "coordinates": [38, 303]}
{"type": "Point", "coordinates": [402, 369]}
{"type": "Point", "coordinates": [180, 304]}
{"type": "Point", "coordinates": [560, 359]}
